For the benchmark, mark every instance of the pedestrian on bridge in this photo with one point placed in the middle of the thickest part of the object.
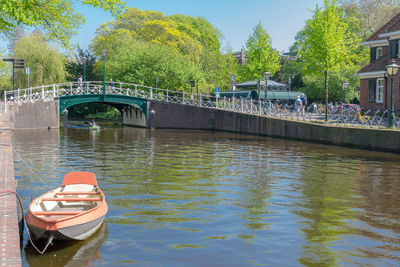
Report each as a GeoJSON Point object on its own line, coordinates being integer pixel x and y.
{"type": "Point", "coordinates": [80, 82]}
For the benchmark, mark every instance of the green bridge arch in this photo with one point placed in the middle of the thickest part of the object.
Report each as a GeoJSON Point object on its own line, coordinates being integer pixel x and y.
{"type": "Point", "coordinates": [114, 100]}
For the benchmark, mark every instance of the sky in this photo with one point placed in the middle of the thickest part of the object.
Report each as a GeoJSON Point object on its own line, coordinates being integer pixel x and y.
{"type": "Point", "coordinates": [235, 19]}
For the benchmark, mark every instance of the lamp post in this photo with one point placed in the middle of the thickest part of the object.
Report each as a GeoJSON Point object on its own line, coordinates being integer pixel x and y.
{"type": "Point", "coordinates": [104, 51]}
{"type": "Point", "coordinates": [266, 78]}
{"type": "Point", "coordinates": [84, 59]}
{"type": "Point", "coordinates": [345, 85]}
{"type": "Point", "coordinates": [392, 70]}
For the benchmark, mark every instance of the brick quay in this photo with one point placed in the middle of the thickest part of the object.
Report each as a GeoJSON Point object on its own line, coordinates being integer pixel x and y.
{"type": "Point", "coordinates": [10, 251]}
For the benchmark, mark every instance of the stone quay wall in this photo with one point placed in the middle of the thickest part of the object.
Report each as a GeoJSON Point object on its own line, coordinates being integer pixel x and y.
{"type": "Point", "coordinates": [179, 116]}
{"type": "Point", "coordinates": [40, 114]}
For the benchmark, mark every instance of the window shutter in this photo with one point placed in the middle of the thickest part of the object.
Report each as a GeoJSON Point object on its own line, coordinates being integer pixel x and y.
{"type": "Point", "coordinates": [371, 89]}
{"type": "Point", "coordinates": [373, 53]}
{"type": "Point", "coordinates": [392, 47]}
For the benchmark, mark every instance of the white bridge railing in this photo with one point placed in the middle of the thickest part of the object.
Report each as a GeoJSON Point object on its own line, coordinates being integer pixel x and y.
{"type": "Point", "coordinates": [49, 92]}
{"type": "Point", "coordinates": [244, 105]}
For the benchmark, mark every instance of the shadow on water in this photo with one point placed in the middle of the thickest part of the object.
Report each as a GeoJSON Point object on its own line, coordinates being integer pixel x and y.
{"type": "Point", "coordinates": [68, 253]}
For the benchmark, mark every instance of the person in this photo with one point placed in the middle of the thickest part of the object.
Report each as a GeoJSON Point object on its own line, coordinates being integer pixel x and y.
{"type": "Point", "coordinates": [111, 83]}
{"type": "Point", "coordinates": [298, 103]}
{"type": "Point", "coordinates": [303, 104]}
{"type": "Point", "coordinates": [80, 82]}
{"type": "Point", "coordinates": [93, 123]}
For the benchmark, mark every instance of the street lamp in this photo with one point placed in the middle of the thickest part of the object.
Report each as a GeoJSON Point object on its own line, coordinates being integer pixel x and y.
{"type": "Point", "coordinates": [104, 51]}
{"type": "Point", "coordinates": [392, 70]}
{"type": "Point", "coordinates": [84, 59]}
{"type": "Point", "coordinates": [266, 78]}
{"type": "Point", "coordinates": [345, 85]}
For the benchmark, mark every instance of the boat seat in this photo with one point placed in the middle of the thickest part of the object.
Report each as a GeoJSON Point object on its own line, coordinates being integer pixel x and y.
{"type": "Point", "coordinates": [52, 213]}
{"type": "Point", "coordinates": [77, 193]}
{"type": "Point", "coordinates": [77, 199]}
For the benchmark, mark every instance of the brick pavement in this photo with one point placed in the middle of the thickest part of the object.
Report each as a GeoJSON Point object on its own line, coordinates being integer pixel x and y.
{"type": "Point", "coordinates": [10, 252]}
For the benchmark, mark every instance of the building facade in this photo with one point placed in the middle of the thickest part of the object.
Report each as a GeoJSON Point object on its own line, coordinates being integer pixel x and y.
{"type": "Point", "coordinates": [375, 84]}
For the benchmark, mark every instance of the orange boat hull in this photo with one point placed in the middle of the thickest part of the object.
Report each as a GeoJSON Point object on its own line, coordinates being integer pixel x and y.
{"type": "Point", "coordinates": [62, 223]}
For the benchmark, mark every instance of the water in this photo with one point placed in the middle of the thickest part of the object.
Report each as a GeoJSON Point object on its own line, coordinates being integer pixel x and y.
{"type": "Point", "coordinates": [198, 198]}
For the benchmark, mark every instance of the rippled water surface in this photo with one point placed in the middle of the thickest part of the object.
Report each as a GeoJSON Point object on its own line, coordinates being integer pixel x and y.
{"type": "Point", "coordinates": [195, 198]}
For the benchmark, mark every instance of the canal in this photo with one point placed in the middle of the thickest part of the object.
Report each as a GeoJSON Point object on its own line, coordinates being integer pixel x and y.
{"type": "Point", "coordinates": [200, 198]}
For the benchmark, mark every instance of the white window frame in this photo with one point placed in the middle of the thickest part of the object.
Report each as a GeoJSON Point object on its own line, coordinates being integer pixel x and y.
{"type": "Point", "coordinates": [380, 88]}
{"type": "Point", "coordinates": [378, 52]}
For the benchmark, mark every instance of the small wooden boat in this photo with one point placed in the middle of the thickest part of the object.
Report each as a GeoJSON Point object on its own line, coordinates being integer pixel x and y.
{"type": "Point", "coordinates": [73, 211]}
{"type": "Point", "coordinates": [94, 127]}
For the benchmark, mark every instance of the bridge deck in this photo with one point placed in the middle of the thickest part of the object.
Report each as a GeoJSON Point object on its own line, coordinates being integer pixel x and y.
{"type": "Point", "coordinates": [10, 254]}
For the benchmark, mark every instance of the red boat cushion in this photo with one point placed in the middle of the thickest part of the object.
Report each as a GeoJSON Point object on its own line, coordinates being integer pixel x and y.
{"type": "Point", "coordinates": [79, 178]}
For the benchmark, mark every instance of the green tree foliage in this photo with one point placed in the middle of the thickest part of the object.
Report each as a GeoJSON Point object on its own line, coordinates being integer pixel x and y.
{"type": "Point", "coordinates": [198, 29]}
{"type": "Point", "coordinates": [45, 62]}
{"type": "Point", "coordinates": [75, 66]}
{"type": "Point", "coordinates": [5, 74]}
{"type": "Point", "coordinates": [148, 26]}
{"type": "Point", "coordinates": [370, 14]}
{"type": "Point", "coordinates": [260, 54]}
{"type": "Point", "coordinates": [142, 62]}
{"type": "Point", "coordinates": [314, 84]}
{"type": "Point", "coordinates": [327, 44]}
{"type": "Point", "coordinates": [57, 19]}
{"type": "Point", "coordinates": [189, 39]}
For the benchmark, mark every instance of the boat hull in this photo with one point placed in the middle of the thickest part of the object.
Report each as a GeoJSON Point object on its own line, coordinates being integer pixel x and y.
{"type": "Point", "coordinates": [73, 211]}
{"type": "Point", "coordinates": [73, 232]}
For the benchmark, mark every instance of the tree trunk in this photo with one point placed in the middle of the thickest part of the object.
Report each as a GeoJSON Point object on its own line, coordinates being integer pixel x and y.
{"type": "Point", "coordinates": [326, 95]}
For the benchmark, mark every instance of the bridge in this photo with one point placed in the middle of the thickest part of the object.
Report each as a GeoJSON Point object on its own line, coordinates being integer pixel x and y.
{"type": "Point", "coordinates": [132, 100]}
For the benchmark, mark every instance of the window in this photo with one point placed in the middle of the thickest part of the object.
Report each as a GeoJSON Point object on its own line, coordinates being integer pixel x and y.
{"type": "Point", "coordinates": [371, 89]}
{"type": "Point", "coordinates": [378, 52]}
{"type": "Point", "coordinates": [379, 90]}
{"type": "Point", "coordinates": [393, 48]}
{"type": "Point", "coordinates": [373, 54]}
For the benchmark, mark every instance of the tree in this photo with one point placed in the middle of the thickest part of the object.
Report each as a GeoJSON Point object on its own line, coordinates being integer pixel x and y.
{"type": "Point", "coordinates": [56, 18]}
{"type": "Point", "coordinates": [327, 44]}
{"type": "Point", "coordinates": [149, 26]}
{"type": "Point", "coordinates": [372, 14]}
{"type": "Point", "coordinates": [46, 63]}
{"type": "Point", "coordinates": [141, 63]}
{"type": "Point", "coordinates": [260, 55]}
{"type": "Point", "coordinates": [5, 73]}
{"type": "Point", "coordinates": [313, 85]}
{"type": "Point", "coordinates": [193, 39]}
{"type": "Point", "coordinates": [74, 67]}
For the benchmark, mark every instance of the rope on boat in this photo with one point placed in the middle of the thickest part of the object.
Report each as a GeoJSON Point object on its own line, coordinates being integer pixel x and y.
{"type": "Point", "coordinates": [30, 167]}
{"type": "Point", "coordinates": [26, 226]}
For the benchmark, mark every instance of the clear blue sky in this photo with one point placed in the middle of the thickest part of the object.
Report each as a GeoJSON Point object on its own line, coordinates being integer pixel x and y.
{"type": "Point", "coordinates": [234, 18]}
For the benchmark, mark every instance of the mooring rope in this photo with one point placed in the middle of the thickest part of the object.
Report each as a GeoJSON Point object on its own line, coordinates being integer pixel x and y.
{"type": "Point", "coordinates": [26, 226]}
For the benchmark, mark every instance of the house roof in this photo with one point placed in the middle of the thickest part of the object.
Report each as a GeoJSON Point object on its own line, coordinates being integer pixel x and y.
{"type": "Point", "coordinates": [269, 95]}
{"type": "Point", "coordinates": [271, 84]}
{"type": "Point", "coordinates": [391, 26]}
{"type": "Point", "coordinates": [377, 65]}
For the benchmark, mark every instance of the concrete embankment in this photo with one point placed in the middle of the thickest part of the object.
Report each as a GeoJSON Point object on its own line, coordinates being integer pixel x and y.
{"type": "Point", "coordinates": [10, 254]}
{"type": "Point", "coordinates": [37, 115]}
{"type": "Point", "coordinates": [192, 117]}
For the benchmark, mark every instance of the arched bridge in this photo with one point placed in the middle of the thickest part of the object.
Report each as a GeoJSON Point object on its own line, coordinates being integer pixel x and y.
{"type": "Point", "coordinates": [132, 100]}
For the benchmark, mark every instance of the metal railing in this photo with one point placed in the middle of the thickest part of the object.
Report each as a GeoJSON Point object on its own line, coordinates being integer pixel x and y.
{"type": "Point", "coordinates": [336, 116]}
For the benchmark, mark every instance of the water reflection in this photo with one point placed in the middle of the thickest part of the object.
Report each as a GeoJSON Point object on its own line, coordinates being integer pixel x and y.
{"type": "Point", "coordinates": [192, 197]}
{"type": "Point", "coordinates": [70, 253]}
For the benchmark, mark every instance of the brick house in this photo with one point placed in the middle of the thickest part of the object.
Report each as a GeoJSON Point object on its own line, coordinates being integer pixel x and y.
{"type": "Point", "coordinates": [375, 85]}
